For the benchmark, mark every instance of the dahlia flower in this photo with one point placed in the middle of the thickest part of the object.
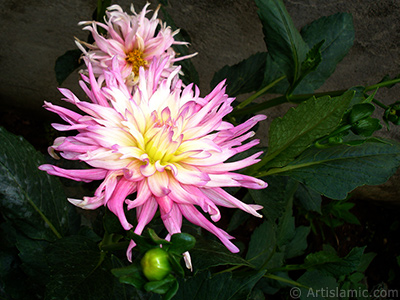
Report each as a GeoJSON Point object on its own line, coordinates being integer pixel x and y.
{"type": "Point", "coordinates": [133, 39]}
{"type": "Point", "coordinates": [160, 147]}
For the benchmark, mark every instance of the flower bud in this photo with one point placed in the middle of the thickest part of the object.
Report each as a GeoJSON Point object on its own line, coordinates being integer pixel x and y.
{"type": "Point", "coordinates": [155, 264]}
{"type": "Point", "coordinates": [366, 127]}
{"type": "Point", "coordinates": [392, 114]}
{"type": "Point", "coordinates": [361, 111]}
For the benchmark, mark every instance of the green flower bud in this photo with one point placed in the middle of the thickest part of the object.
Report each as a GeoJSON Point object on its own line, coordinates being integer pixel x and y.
{"type": "Point", "coordinates": [335, 140]}
{"type": "Point", "coordinates": [392, 114]}
{"type": "Point", "coordinates": [366, 127]}
{"type": "Point", "coordinates": [155, 264]}
{"type": "Point", "coordinates": [360, 111]}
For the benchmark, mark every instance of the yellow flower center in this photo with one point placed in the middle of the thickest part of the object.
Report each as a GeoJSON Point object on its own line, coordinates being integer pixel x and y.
{"type": "Point", "coordinates": [135, 59]}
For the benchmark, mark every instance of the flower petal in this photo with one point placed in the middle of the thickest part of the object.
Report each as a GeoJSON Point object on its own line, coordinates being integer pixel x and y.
{"type": "Point", "coordinates": [195, 217]}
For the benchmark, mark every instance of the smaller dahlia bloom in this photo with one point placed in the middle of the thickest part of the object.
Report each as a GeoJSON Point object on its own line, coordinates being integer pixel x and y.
{"type": "Point", "coordinates": [161, 148]}
{"type": "Point", "coordinates": [133, 39]}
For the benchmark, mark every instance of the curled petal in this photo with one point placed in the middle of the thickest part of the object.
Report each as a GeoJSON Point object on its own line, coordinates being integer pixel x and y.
{"type": "Point", "coordinates": [145, 213]}
{"type": "Point", "coordinates": [172, 219]}
{"type": "Point", "coordinates": [116, 201]}
{"type": "Point", "coordinates": [132, 245]}
{"type": "Point", "coordinates": [88, 202]}
{"type": "Point", "coordinates": [222, 198]}
{"type": "Point", "coordinates": [188, 260]}
{"type": "Point", "coordinates": [158, 184]}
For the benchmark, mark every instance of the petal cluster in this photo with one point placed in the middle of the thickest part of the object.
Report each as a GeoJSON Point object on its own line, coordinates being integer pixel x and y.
{"type": "Point", "coordinates": [133, 39]}
{"type": "Point", "coordinates": [156, 145]}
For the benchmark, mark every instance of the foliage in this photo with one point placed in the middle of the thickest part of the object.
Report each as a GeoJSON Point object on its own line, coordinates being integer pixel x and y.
{"type": "Point", "coordinates": [319, 152]}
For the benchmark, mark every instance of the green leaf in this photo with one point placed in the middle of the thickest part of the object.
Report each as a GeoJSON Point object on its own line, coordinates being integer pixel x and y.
{"type": "Point", "coordinates": [33, 256]}
{"type": "Point", "coordinates": [330, 263]}
{"type": "Point", "coordinates": [291, 241]}
{"type": "Point", "coordinates": [365, 261]}
{"type": "Point", "coordinates": [298, 244]}
{"type": "Point", "coordinates": [66, 64]}
{"type": "Point", "coordinates": [239, 216]}
{"type": "Point", "coordinates": [366, 127]}
{"type": "Point", "coordinates": [359, 95]}
{"type": "Point", "coordinates": [338, 32]}
{"type": "Point", "coordinates": [356, 277]}
{"type": "Point", "coordinates": [313, 59]}
{"type": "Point", "coordinates": [160, 286]}
{"type": "Point", "coordinates": [309, 199]}
{"type": "Point", "coordinates": [284, 42]}
{"type": "Point", "coordinates": [181, 242]}
{"type": "Point", "coordinates": [274, 198]}
{"type": "Point", "coordinates": [244, 77]}
{"type": "Point", "coordinates": [337, 170]}
{"type": "Point", "coordinates": [207, 254]}
{"type": "Point", "coordinates": [123, 291]}
{"type": "Point", "coordinates": [360, 111]}
{"type": "Point", "coordinates": [341, 211]}
{"type": "Point", "coordinates": [286, 226]}
{"type": "Point", "coordinates": [32, 200]}
{"type": "Point", "coordinates": [301, 126]}
{"type": "Point", "coordinates": [13, 271]}
{"type": "Point", "coordinates": [270, 284]}
{"type": "Point", "coordinates": [222, 286]}
{"type": "Point", "coordinates": [175, 261]}
{"type": "Point", "coordinates": [143, 243]}
{"type": "Point", "coordinates": [172, 291]}
{"type": "Point", "coordinates": [310, 64]}
{"type": "Point", "coordinates": [156, 239]}
{"type": "Point", "coordinates": [79, 270]}
{"type": "Point", "coordinates": [131, 274]}
{"type": "Point", "coordinates": [319, 284]}
{"type": "Point", "coordinates": [111, 223]}
{"type": "Point", "coordinates": [11, 277]}
{"type": "Point", "coordinates": [101, 9]}
{"type": "Point", "coordinates": [262, 244]}
{"type": "Point", "coordinates": [257, 294]}
{"type": "Point", "coordinates": [273, 72]}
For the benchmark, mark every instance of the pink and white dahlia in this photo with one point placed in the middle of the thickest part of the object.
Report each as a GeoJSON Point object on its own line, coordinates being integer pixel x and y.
{"type": "Point", "coordinates": [163, 147]}
{"type": "Point", "coordinates": [133, 39]}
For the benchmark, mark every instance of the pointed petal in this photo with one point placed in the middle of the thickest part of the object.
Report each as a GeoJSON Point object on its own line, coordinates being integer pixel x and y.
{"type": "Point", "coordinates": [195, 217]}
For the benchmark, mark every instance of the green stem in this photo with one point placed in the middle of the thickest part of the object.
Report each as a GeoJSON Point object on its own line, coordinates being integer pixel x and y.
{"type": "Point", "coordinates": [292, 282]}
{"type": "Point", "coordinates": [337, 131]}
{"type": "Point", "coordinates": [51, 226]}
{"type": "Point", "coordinates": [264, 265]}
{"type": "Point", "coordinates": [382, 84]}
{"type": "Point", "coordinates": [287, 268]}
{"type": "Point", "coordinates": [299, 98]}
{"type": "Point", "coordinates": [107, 240]}
{"type": "Point", "coordinates": [284, 99]}
{"type": "Point", "coordinates": [258, 94]}
{"type": "Point", "coordinates": [114, 247]}
{"type": "Point", "coordinates": [30, 201]}
{"type": "Point", "coordinates": [380, 104]}
{"type": "Point", "coordinates": [258, 107]}
{"type": "Point", "coordinates": [99, 10]}
{"type": "Point", "coordinates": [280, 170]}
{"type": "Point", "coordinates": [229, 269]}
